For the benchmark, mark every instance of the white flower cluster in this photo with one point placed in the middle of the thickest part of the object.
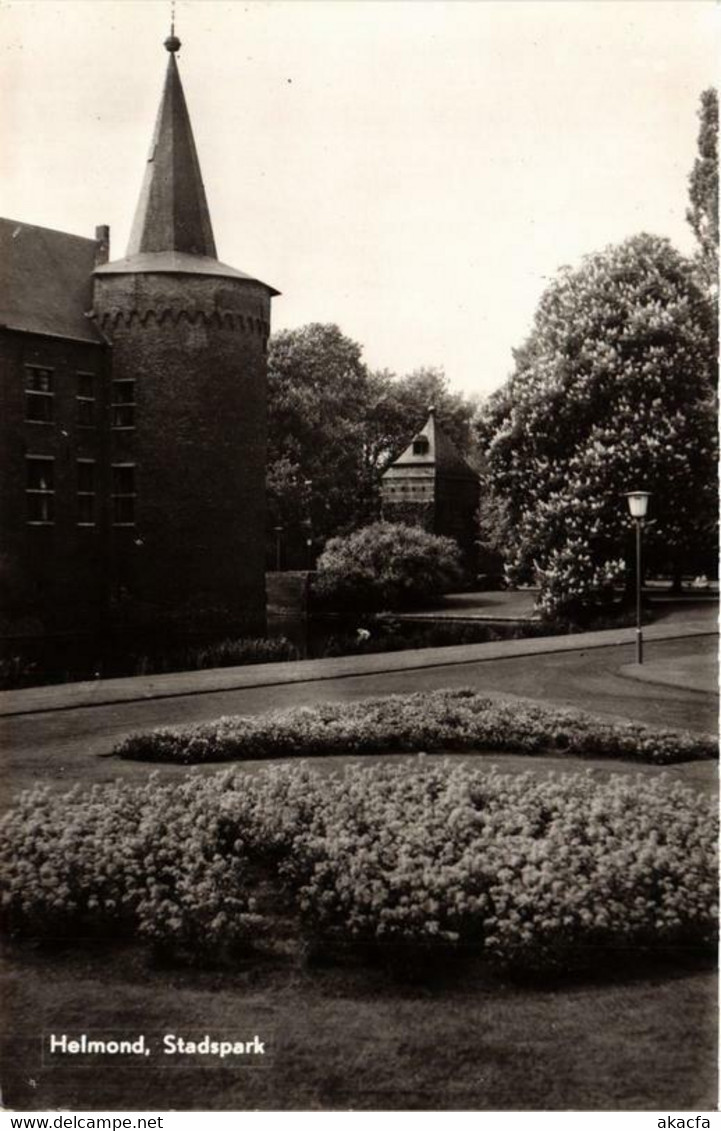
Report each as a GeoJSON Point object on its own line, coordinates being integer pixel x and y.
{"type": "Point", "coordinates": [613, 390]}
{"type": "Point", "coordinates": [458, 719]}
{"type": "Point", "coordinates": [531, 871]}
{"type": "Point", "coordinates": [525, 870]}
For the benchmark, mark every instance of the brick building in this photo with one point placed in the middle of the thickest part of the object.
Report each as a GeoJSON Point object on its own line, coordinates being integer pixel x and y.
{"type": "Point", "coordinates": [134, 403]}
{"type": "Point", "coordinates": [431, 485]}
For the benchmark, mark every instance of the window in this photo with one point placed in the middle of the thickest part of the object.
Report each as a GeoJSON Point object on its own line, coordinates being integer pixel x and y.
{"type": "Point", "coordinates": [39, 395]}
{"type": "Point", "coordinates": [420, 446]}
{"type": "Point", "coordinates": [86, 492]}
{"type": "Point", "coordinates": [40, 489]}
{"type": "Point", "coordinates": [86, 399]}
{"type": "Point", "coordinates": [123, 404]}
{"type": "Point", "coordinates": [123, 494]}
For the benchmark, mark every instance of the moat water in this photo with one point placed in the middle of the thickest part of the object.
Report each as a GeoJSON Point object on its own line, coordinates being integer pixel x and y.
{"type": "Point", "coordinates": [66, 660]}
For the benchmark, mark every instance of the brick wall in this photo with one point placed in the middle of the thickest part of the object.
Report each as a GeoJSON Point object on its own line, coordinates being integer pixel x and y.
{"type": "Point", "coordinates": [437, 502]}
{"type": "Point", "coordinates": [456, 506]}
{"type": "Point", "coordinates": [51, 573]}
{"type": "Point", "coordinates": [196, 348]}
{"type": "Point", "coordinates": [288, 593]}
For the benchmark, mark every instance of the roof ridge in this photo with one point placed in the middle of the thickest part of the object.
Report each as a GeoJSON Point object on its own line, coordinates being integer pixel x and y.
{"type": "Point", "coordinates": [46, 281]}
{"type": "Point", "coordinates": [43, 228]}
{"type": "Point", "coordinates": [442, 454]}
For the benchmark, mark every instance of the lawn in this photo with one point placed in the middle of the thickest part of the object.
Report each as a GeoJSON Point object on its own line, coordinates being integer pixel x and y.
{"type": "Point", "coordinates": [64, 748]}
{"type": "Point", "coordinates": [355, 1038]}
{"type": "Point", "coordinates": [641, 1037]}
{"type": "Point", "coordinates": [61, 773]}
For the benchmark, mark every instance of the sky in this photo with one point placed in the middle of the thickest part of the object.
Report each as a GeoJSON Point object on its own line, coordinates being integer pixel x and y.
{"type": "Point", "coordinates": [414, 171]}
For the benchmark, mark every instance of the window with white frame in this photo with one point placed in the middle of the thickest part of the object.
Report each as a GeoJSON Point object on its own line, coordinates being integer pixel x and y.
{"type": "Point", "coordinates": [85, 399]}
{"type": "Point", "coordinates": [40, 490]}
{"type": "Point", "coordinates": [86, 492]}
{"type": "Point", "coordinates": [123, 494]}
{"type": "Point", "coordinates": [122, 408]}
{"type": "Point", "coordinates": [39, 396]}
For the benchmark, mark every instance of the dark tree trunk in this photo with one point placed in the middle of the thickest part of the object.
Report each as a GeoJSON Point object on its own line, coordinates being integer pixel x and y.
{"type": "Point", "coordinates": [677, 583]}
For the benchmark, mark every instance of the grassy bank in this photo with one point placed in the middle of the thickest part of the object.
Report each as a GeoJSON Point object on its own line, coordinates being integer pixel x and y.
{"type": "Point", "coordinates": [356, 1038]}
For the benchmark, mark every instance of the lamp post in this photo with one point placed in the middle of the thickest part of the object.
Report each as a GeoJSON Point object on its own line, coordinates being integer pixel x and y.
{"type": "Point", "coordinates": [308, 522]}
{"type": "Point", "coordinates": [308, 526]}
{"type": "Point", "coordinates": [638, 505]}
{"type": "Point", "coordinates": [278, 546]}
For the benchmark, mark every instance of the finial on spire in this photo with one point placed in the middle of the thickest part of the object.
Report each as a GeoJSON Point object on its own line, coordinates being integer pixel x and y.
{"type": "Point", "coordinates": [431, 409]}
{"type": "Point", "coordinates": [172, 43]}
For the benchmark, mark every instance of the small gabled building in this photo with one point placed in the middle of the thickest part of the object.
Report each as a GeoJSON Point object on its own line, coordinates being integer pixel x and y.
{"type": "Point", "coordinates": [431, 485]}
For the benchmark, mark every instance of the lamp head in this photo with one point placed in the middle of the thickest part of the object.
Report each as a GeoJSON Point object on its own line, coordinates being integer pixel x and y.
{"type": "Point", "coordinates": [638, 503]}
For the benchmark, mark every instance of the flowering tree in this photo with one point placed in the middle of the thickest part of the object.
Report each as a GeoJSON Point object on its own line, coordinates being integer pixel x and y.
{"type": "Point", "coordinates": [612, 391]}
{"type": "Point", "coordinates": [702, 213]}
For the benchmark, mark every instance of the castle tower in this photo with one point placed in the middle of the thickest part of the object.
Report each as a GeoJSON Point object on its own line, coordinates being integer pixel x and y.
{"type": "Point", "coordinates": [187, 406]}
{"type": "Point", "coordinates": [431, 485]}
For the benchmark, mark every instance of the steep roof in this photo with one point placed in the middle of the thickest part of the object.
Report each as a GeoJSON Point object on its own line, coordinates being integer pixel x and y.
{"type": "Point", "coordinates": [172, 231]}
{"type": "Point", "coordinates": [441, 454]}
{"type": "Point", "coordinates": [177, 263]}
{"type": "Point", "coordinates": [172, 213]}
{"type": "Point", "coordinates": [46, 281]}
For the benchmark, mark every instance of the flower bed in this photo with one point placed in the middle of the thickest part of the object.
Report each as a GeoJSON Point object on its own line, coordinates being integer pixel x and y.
{"type": "Point", "coordinates": [436, 720]}
{"type": "Point", "coordinates": [536, 873]}
{"type": "Point", "coordinates": [527, 872]}
{"type": "Point", "coordinates": [117, 859]}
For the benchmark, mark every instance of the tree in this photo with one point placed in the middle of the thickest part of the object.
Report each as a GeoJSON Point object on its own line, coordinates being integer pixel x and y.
{"type": "Point", "coordinates": [402, 407]}
{"type": "Point", "coordinates": [333, 428]}
{"type": "Point", "coordinates": [318, 393]}
{"type": "Point", "coordinates": [611, 392]}
{"type": "Point", "coordinates": [702, 214]}
{"type": "Point", "coordinates": [386, 566]}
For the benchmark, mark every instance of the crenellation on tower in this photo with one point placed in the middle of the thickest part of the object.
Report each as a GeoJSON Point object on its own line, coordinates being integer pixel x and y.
{"type": "Point", "coordinates": [189, 333]}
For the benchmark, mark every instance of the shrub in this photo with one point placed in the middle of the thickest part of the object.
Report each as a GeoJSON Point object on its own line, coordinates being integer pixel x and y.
{"type": "Point", "coordinates": [524, 871]}
{"type": "Point", "coordinates": [436, 720]}
{"type": "Point", "coordinates": [157, 861]}
{"type": "Point", "coordinates": [386, 566]}
{"type": "Point", "coordinates": [531, 872]}
{"type": "Point", "coordinates": [220, 654]}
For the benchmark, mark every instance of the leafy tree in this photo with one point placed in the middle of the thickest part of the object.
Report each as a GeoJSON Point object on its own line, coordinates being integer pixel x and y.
{"type": "Point", "coordinates": [402, 407]}
{"type": "Point", "coordinates": [702, 214]}
{"type": "Point", "coordinates": [386, 566]}
{"type": "Point", "coordinates": [611, 392]}
{"type": "Point", "coordinates": [333, 429]}
{"type": "Point", "coordinates": [318, 393]}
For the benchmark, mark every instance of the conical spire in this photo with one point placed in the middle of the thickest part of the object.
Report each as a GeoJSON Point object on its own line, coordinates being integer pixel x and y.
{"type": "Point", "coordinates": [172, 213]}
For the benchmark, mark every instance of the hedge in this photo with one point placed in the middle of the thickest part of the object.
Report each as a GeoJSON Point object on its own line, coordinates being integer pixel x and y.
{"type": "Point", "coordinates": [528, 872]}
{"type": "Point", "coordinates": [426, 721]}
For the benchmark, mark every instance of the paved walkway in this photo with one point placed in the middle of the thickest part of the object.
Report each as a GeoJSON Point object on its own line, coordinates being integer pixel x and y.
{"type": "Point", "coordinates": [98, 693]}
{"type": "Point", "coordinates": [72, 746]}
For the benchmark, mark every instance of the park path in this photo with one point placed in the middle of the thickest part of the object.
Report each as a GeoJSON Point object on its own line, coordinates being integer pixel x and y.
{"type": "Point", "coordinates": [681, 624]}
{"type": "Point", "coordinates": [72, 745]}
